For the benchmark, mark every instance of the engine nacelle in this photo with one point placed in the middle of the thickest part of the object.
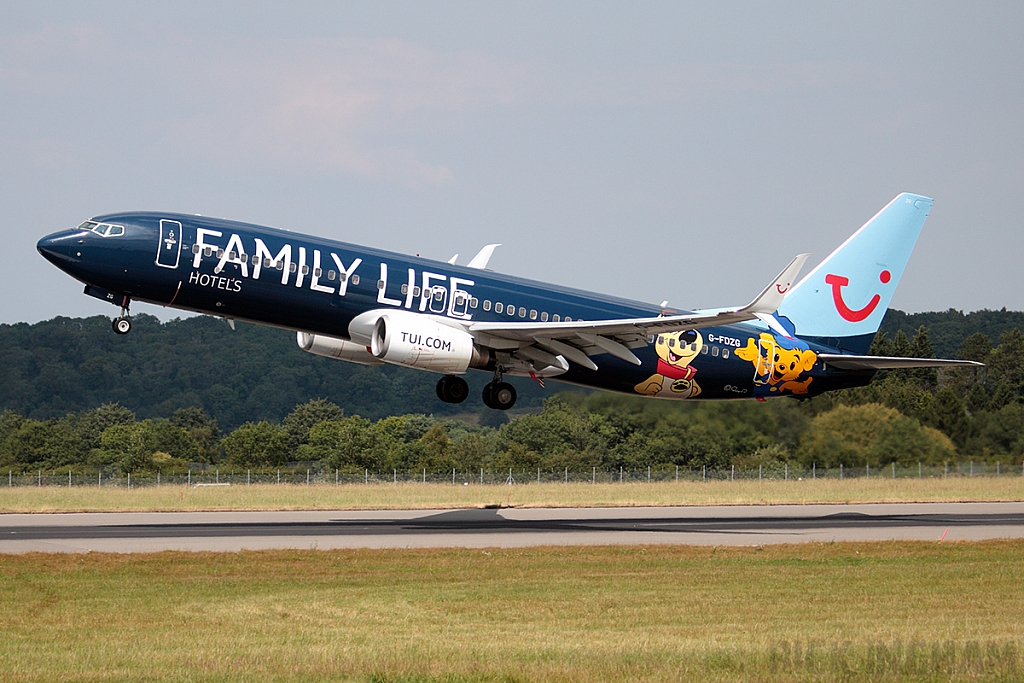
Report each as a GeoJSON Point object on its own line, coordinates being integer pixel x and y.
{"type": "Point", "coordinates": [416, 341]}
{"type": "Point", "coordinates": [336, 348]}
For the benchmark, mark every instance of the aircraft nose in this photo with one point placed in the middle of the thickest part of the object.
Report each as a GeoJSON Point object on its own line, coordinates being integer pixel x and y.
{"type": "Point", "coordinates": [58, 247]}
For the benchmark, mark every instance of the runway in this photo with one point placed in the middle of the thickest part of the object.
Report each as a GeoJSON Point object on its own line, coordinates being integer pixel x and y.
{"type": "Point", "coordinates": [478, 528]}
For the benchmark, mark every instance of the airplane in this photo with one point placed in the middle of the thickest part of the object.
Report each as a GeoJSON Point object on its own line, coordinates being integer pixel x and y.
{"type": "Point", "coordinates": [364, 305]}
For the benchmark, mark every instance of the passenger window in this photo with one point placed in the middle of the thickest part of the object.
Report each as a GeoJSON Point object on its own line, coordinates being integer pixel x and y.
{"type": "Point", "coordinates": [380, 284]}
{"type": "Point", "coordinates": [474, 302]}
{"type": "Point", "coordinates": [317, 272]}
{"type": "Point", "coordinates": [355, 279]}
{"type": "Point", "coordinates": [342, 276]}
{"type": "Point", "coordinates": [416, 290]}
{"type": "Point", "coordinates": [568, 319]}
{"type": "Point", "coordinates": [207, 252]}
{"type": "Point", "coordinates": [714, 351]}
{"type": "Point", "coordinates": [704, 350]}
{"type": "Point", "coordinates": [725, 353]}
{"type": "Point", "coordinates": [195, 248]}
{"type": "Point", "coordinates": [331, 275]}
{"type": "Point", "coordinates": [279, 265]}
{"type": "Point", "coordinates": [555, 318]}
{"type": "Point", "coordinates": [305, 270]}
{"type": "Point", "coordinates": [292, 267]}
{"type": "Point", "coordinates": [511, 310]}
{"type": "Point", "coordinates": [255, 260]}
{"type": "Point", "coordinates": [499, 307]}
{"type": "Point", "coordinates": [487, 305]}
{"type": "Point", "coordinates": [544, 317]}
{"type": "Point", "coordinates": [438, 293]}
{"type": "Point", "coordinates": [267, 263]}
{"type": "Point", "coordinates": [405, 289]}
{"type": "Point", "coordinates": [220, 253]}
{"type": "Point", "coordinates": [522, 312]}
{"type": "Point", "coordinates": [533, 314]}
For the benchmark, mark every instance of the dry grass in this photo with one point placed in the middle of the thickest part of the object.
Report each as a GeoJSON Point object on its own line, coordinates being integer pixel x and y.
{"type": "Point", "coordinates": [441, 496]}
{"type": "Point", "coordinates": [853, 612]}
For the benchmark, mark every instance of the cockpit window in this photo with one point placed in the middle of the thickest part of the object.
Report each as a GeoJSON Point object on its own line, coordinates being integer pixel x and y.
{"type": "Point", "coordinates": [103, 229]}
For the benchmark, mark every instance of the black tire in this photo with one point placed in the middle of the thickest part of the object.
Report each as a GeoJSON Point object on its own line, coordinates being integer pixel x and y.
{"type": "Point", "coordinates": [122, 325]}
{"type": "Point", "coordinates": [503, 396]}
{"type": "Point", "coordinates": [488, 391]}
{"type": "Point", "coordinates": [457, 389]}
{"type": "Point", "coordinates": [452, 389]}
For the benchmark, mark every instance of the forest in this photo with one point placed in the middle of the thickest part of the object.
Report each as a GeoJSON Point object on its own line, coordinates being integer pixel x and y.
{"type": "Point", "coordinates": [171, 395]}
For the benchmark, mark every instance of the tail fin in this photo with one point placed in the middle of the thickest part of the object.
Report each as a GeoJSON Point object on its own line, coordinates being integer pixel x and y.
{"type": "Point", "coordinates": [841, 302]}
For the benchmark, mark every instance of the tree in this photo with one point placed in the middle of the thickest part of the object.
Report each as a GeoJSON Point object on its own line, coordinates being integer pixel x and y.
{"type": "Point", "coordinates": [258, 444]}
{"type": "Point", "coordinates": [305, 416]}
{"type": "Point", "coordinates": [201, 429]}
{"type": "Point", "coordinates": [129, 446]}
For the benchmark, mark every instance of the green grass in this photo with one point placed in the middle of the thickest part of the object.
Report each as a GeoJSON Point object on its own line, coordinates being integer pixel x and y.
{"type": "Point", "coordinates": [432, 495]}
{"type": "Point", "coordinates": [852, 612]}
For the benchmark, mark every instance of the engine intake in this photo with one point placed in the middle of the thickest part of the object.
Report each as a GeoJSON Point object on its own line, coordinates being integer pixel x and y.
{"type": "Point", "coordinates": [416, 341]}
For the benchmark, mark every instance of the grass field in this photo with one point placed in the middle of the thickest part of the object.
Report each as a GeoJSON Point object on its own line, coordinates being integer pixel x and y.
{"type": "Point", "coordinates": [852, 612]}
{"type": "Point", "coordinates": [433, 496]}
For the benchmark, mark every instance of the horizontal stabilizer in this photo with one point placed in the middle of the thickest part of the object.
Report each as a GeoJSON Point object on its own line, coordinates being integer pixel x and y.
{"type": "Point", "coordinates": [849, 362]}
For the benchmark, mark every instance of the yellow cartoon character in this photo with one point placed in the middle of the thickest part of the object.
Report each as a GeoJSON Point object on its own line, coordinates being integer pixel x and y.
{"type": "Point", "coordinates": [778, 367]}
{"type": "Point", "coordinates": [674, 377]}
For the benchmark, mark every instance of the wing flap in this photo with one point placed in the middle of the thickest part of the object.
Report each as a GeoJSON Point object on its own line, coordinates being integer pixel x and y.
{"type": "Point", "coordinates": [850, 362]}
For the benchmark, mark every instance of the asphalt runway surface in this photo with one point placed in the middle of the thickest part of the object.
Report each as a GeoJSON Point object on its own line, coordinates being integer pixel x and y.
{"type": "Point", "coordinates": [509, 527]}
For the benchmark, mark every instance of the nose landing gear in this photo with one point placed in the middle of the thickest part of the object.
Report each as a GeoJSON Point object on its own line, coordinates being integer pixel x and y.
{"type": "Point", "coordinates": [123, 323]}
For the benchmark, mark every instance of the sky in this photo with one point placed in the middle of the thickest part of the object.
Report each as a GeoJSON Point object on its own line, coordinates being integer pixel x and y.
{"type": "Point", "coordinates": [657, 150]}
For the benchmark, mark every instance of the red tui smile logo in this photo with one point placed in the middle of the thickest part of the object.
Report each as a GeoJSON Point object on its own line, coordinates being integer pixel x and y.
{"type": "Point", "coordinates": [847, 313]}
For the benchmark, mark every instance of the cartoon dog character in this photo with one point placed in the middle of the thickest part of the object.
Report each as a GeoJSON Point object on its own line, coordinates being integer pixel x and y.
{"type": "Point", "coordinates": [777, 366]}
{"type": "Point", "coordinates": [674, 376]}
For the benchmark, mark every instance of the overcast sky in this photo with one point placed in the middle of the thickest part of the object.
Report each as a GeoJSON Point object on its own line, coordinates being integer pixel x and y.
{"type": "Point", "coordinates": [649, 150]}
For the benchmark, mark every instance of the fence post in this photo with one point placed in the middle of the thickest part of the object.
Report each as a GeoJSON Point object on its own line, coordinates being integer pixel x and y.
{"type": "Point", "coordinates": [248, 477]}
{"type": "Point", "coordinates": [759, 472]}
{"type": "Point", "coordinates": [997, 468]}
{"type": "Point", "coordinates": [396, 475]}
{"type": "Point", "coordinates": [787, 471]}
{"type": "Point", "coordinates": [481, 475]}
{"type": "Point", "coordinates": [424, 475]}
{"type": "Point", "coordinates": [10, 478]}
{"type": "Point", "coordinates": [677, 474]}
{"type": "Point", "coordinates": [218, 475]}
{"type": "Point", "coordinates": [307, 477]}
{"type": "Point", "coordinates": [894, 470]}
{"type": "Point", "coordinates": [945, 469]}
{"type": "Point", "coordinates": [453, 476]}
{"type": "Point", "coordinates": [566, 475]}
{"type": "Point", "coordinates": [129, 481]}
{"type": "Point", "coordinates": [99, 479]}
{"type": "Point", "coordinates": [337, 472]}
{"type": "Point", "coordinates": [840, 470]}
{"type": "Point", "coordinates": [157, 474]}
{"type": "Point", "coordinates": [648, 474]}
{"type": "Point", "coordinates": [157, 479]}
{"type": "Point", "coordinates": [867, 470]}
{"type": "Point", "coordinates": [703, 473]}
{"type": "Point", "coordinates": [39, 482]}
{"type": "Point", "coordinates": [918, 469]}
{"type": "Point", "coordinates": [620, 474]}
{"type": "Point", "coordinates": [279, 476]}
{"type": "Point", "coordinates": [538, 475]}
{"type": "Point", "coordinates": [593, 475]}
{"type": "Point", "coordinates": [366, 475]}
{"type": "Point", "coordinates": [734, 473]}
{"type": "Point", "coordinates": [814, 470]}
{"type": "Point", "coordinates": [972, 468]}
{"type": "Point", "coordinates": [190, 478]}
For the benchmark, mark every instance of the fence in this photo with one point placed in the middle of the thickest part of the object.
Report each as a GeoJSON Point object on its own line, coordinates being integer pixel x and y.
{"type": "Point", "coordinates": [317, 474]}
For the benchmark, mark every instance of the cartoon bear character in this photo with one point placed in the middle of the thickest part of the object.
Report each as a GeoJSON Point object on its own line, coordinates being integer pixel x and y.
{"type": "Point", "coordinates": [674, 376]}
{"type": "Point", "coordinates": [777, 366]}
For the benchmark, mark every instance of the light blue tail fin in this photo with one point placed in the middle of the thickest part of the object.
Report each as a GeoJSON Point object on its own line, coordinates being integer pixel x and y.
{"type": "Point", "coordinates": [841, 302]}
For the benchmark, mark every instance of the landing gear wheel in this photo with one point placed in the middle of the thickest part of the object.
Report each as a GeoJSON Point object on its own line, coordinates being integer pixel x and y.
{"type": "Point", "coordinates": [122, 325]}
{"type": "Point", "coordinates": [499, 395]}
{"type": "Point", "coordinates": [452, 389]}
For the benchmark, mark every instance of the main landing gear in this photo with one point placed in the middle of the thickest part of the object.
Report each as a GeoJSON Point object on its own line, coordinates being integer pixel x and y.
{"type": "Point", "coordinates": [452, 389]}
{"type": "Point", "coordinates": [498, 394]}
{"type": "Point", "coordinates": [122, 324]}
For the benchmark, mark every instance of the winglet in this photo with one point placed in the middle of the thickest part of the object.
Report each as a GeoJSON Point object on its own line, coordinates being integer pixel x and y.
{"type": "Point", "coordinates": [453, 259]}
{"type": "Point", "coordinates": [483, 257]}
{"type": "Point", "coordinates": [769, 300]}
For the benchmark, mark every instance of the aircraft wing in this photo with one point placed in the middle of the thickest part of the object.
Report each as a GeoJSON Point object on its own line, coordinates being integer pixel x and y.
{"type": "Point", "coordinates": [849, 362]}
{"type": "Point", "coordinates": [577, 340]}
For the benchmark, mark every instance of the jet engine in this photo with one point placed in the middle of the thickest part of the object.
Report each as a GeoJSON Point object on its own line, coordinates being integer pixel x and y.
{"type": "Point", "coordinates": [416, 341]}
{"type": "Point", "coordinates": [335, 348]}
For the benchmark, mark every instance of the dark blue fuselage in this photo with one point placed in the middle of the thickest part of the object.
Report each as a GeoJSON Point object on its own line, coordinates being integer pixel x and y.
{"type": "Point", "coordinates": [314, 285]}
